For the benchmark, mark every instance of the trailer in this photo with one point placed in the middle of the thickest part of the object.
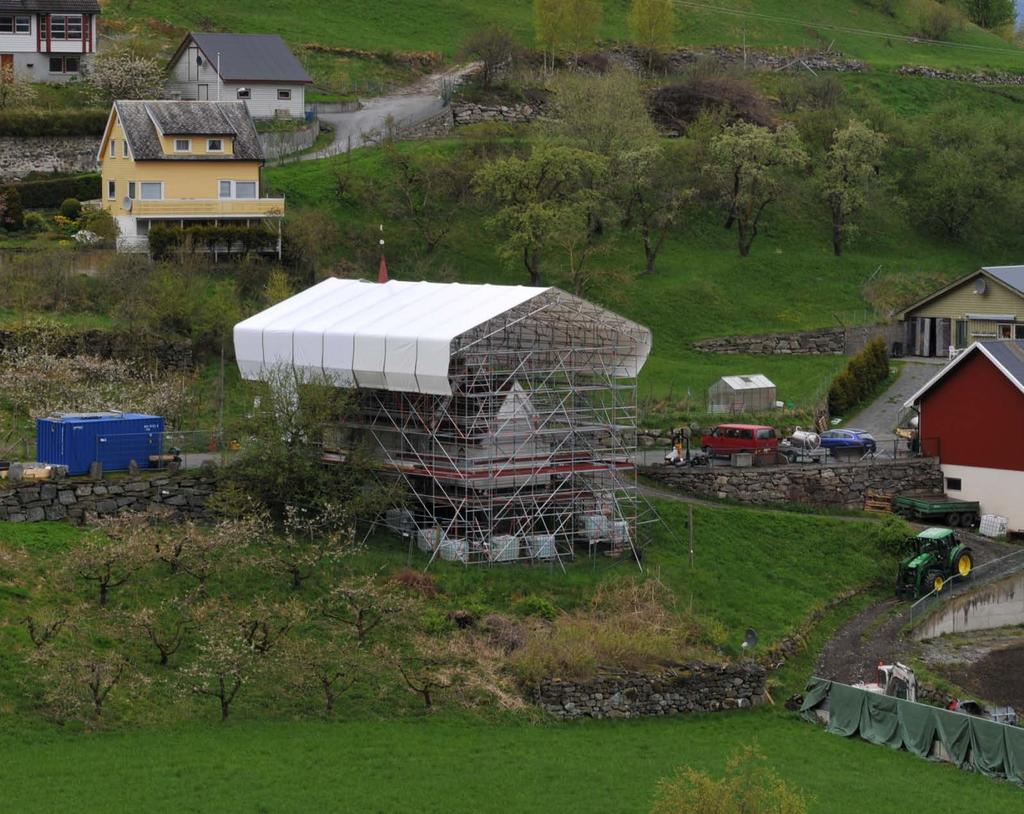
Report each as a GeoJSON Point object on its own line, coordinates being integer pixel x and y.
{"type": "Point", "coordinates": [938, 509]}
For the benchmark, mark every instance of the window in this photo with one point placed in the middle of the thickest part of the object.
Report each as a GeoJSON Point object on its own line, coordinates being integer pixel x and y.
{"type": "Point", "coordinates": [124, 148]}
{"type": "Point", "coordinates": [152, 190]}
{"type": "Point", "coordinates": [111, 189]}
{"type": "Point", "coordinates": [747, 435]}
{"type": "Point", "coordinates": [63, 64]}
{"type": "Point", "coordinates": [961, 333]}
{"type": "Point", "coordinates": [1005, 332]}
{"type": "Point", "coordinates": [1018, 331]}
{"type": "Point", "coordinates": [225, 189]}
{"type": "Point", "coordinates": [15, 25]}
{"type": "Point", "coordinates": [953, 484]}
{"type": "Point", "coordinates": [131, 189]}
{"type": "Point", "coordinates": [182, 145]}
{"type": "Point", "coordinates": [215, 145]}
{"type": "Point", "coordinates": [244, 93]}
{"type": "Point", "coordinates": [245, 189]}
{"type": "Point", "coordinates": [284, 94]}
{"type": "Point", "coordinates": [113, 148]}
{"type": "Point", "coordinates": [63, 27]}
{"type": "Point", "coordinates": [765, 435]}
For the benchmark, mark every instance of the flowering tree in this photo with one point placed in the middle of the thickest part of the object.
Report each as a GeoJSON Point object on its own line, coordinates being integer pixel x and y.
{"type": "Point", "coordinates": [165, 627]}
{"type": "Point", "coordinates": [78, 684]}
{"type": "Point", "coordinates": [224, 663]}
{"type": "Point", "coordinates": [327, 665]}
{"type": "Point", "coordinates": [111, 558]}
{"type": "Point", "coordinates": [363, 605]}
{"type": "Point", "coordinates": [310, 539]}
{"type": "Point", "coordinates": [125, 75]}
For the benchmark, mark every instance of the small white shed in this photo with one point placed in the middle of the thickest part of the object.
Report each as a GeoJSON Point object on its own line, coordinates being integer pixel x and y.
{"type": "Point", "coordinates": [752, 393]}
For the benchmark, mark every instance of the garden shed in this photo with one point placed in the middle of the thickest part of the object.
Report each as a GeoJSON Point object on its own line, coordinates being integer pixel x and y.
{"type": "Point", "coordinates": [753, 393]}
{"type": "Point", "coordinates": [507, 412]}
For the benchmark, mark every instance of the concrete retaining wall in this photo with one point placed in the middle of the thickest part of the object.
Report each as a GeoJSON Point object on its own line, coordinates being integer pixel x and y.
{"type": "Point", "coordinates": [68, 154]}
{"type": "Point", "coordinates": [79, 500]}
{"type": "Point", "coordinates": [278, 144]}
{"type": "Point", "coordinates": [840, 486]}
{"type": "Point", "coordinates": [695, 687]}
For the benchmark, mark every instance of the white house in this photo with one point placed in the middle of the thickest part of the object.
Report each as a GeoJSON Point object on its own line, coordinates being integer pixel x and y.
{"type": "Point", "coordinates": [47, 40]}
{"type": "Point", "coordinates": [257, 69]}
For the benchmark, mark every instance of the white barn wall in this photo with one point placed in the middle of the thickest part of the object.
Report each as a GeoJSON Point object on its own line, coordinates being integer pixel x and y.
{"type": "Point", "coordinates": [999, 491]}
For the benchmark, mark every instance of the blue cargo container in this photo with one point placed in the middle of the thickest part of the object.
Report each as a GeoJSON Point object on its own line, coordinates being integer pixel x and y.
{"type": "Point", "coordinates": [75, 440]}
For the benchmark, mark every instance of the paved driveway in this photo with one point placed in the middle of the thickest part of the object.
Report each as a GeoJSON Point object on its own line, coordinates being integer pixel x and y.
{"type": "Point", "coordinates": [880, 417]}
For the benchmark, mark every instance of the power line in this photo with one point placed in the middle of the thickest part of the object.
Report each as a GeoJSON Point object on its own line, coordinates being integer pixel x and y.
{"type": "Point", "coordinates": [842, 29]}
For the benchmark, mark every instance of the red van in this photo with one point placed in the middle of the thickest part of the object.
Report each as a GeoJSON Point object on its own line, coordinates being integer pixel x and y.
{"type": "Point", "coordinates": [726, 439]}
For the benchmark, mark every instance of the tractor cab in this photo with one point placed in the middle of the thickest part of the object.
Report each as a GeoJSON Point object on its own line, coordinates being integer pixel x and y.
{"type": "Point", "coordinates": [936, 555]}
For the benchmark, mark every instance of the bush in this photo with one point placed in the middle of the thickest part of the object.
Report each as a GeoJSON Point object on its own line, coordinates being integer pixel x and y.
{"type": "Point", "coordinates": [12, 215]}
{"type": "Point", "coordinates": [88, 122]}
{"type": "Point", "coordinates": [676, 107]}
{"type": "Point", "coordinates": [859, 379]}
{"type": "Point", "coordinates": [35, 222]}
{"type": "Point", "coordinates": [166, 241]}
{"type": "Point", "coordinates": [71, 208]}
{"type": "Point", "coordinates": [50, 193]}
{"type": "Point", "coordinates": [101, 223]}
{"type": "Point", "coordinates": [534, 605]}
{"type": "Point", "coordinates": [938, 22]}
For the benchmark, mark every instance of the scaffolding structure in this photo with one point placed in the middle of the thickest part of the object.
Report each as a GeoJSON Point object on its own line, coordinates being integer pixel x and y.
{"type": "Point", "coordinates": [528, 452]}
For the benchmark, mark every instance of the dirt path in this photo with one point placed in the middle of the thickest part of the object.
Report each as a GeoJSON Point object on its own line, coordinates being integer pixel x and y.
{"type": "Point", "coordinates": [874, 634]}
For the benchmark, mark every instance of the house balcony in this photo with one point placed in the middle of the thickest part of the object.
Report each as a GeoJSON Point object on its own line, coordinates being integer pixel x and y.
{"type": "Point", "coordinates": [195, 208]}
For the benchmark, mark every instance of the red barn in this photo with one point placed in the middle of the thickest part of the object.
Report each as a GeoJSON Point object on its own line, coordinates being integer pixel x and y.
{"type": "Point", "coordinates": [972, 417]}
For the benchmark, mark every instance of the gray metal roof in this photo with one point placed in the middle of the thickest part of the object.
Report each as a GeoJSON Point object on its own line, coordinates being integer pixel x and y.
{"type": "Point", "coordinates": [51, 6]}
{"type": "Point", "coordinates": [1010, 355]}
{"type": "Point", "coordinates": [249, 57]}
{"type": "Point", "coordinates": [144, 121]}
{"type": "Point", "coordinates": [1012, 276]}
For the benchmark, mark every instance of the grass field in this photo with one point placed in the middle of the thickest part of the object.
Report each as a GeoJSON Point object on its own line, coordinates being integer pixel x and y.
{"type": "Point", "coordinates": [442, 25]}
{"type": "Point", "coordinates": [446, 765]}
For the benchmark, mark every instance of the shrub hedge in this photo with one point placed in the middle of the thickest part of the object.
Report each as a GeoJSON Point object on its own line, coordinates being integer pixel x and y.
{"type": "Point", "coordinates": [860, 378]}
{"type": "Point", "coordinates": [88, 122]}
{"type": "Point", "coordinates": [50, 193]}
{"type": "Point", "coordinates": [165, 241]}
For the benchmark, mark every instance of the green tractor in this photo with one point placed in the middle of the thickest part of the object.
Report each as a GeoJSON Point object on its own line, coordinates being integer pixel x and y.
{"type": "Point", "coordinates": [936, 556]}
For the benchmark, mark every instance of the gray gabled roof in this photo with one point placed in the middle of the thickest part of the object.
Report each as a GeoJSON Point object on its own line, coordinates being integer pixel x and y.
{"type": "Point", "coordinates": [51, 6]}
{"type": "Point", "coordinates": [248, 57]}
{"type": "Point", "coordinates": [1010, 276]}
{"type": "Point", "coordinates": [145, 121]}
{"type": "Point", "coordinates": [1006, 354]}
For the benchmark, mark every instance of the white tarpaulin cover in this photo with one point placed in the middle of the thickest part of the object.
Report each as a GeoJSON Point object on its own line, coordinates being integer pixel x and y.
{"type": "Point", "coordinates": [393, 336]}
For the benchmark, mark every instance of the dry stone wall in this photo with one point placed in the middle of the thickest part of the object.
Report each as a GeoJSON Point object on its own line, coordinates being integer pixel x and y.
{"type": "Point", "coordinates": [69, 154]}
{"type": "Point", "coordinates": [472, 113]}
{"type": "Point", "coordinates": [184, 493]}
{"type": "Point", "coordinates": [825, 341]}
{"type": "Point", "coordinates": [838, 486]}
{"type": "Point", "coordinates": [696, 687]}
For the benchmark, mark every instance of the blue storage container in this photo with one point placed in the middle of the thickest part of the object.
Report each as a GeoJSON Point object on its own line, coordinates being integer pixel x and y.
{"type": "Point", "coordinates": [75, 440]}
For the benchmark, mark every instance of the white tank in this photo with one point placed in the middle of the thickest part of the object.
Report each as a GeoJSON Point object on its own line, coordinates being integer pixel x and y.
{"type": "Point", "coordinates": [805, 439]}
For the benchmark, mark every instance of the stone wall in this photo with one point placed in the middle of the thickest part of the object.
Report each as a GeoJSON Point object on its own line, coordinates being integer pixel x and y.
{"type": "Point", "coordinates": [694, 687]}
{"type": "Point", "coordinates": [824, 341]}
{"type": "Point", "coordinates": [439, 124]}
{"type": "Point", "coordinates": [68, 154]}
{"type": "Point", "coordinates": [790, 60]}
{"type": "Point", "coordinates": [995, 78]}
{"type": "Point", "coordinates": [166, 354]}
{"type": "Point", "coordinates": [838, 486]}
{"type": "Point", "coordinates": [80, 500]}
{"type": "Point", "coordinates": [277, 144]}
{"type": "Point", "coordinates": [472, 113]}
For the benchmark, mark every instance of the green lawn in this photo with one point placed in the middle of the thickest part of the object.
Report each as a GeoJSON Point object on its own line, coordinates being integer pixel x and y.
{"type": "Point", "coordinates": [448, 765]}
{"type": "Point", "coordinates": [442, 25]}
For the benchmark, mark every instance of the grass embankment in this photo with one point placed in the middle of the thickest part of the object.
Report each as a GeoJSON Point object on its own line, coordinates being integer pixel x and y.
{"type": "Point", "coordinates": [442, 25]}
{"type": "Point", "coordinates": [449, 765]}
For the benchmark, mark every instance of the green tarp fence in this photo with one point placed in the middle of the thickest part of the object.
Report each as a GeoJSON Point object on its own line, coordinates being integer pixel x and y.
{"type": "Point", "coordinates": [996, 750]}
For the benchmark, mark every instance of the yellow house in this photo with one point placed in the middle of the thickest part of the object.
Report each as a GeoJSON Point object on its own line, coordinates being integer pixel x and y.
{"type": "Point", "coordinates": [986, 304]}
{"type": "Point", "coordinates": [182, 163]}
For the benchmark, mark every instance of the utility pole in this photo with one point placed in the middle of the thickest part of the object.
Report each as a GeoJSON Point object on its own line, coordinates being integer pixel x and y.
{"type": "Point", "coordinates": [220, 81]}
{"type": "Point", "coordinates": [689, 524]}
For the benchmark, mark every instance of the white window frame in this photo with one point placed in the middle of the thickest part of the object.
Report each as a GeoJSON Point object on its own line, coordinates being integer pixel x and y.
{"type": "Point", "coordinates": [66, 21]}
{"type": "Point", "coordinates": [124, 148]}
{"type": "Point", "coordinates": [211, 149]}
{"type": "Point", "coordinates": [142, 190]}
{"type": "Point", "coordinates": [22, 24]}
{"type": "Point", "coordinates": [186, 141]}
{"type": "Point", "coordinates": [131, 190]}
{"type": "Point", "coordinates": [220, 190]}
{"type": "Point", "coordinates": [111, 190]}
{"type": "Point", "coordinates": [1009, 330]}
{"type": "Point", "coordinates": [113, 148]}
{"type": "Point", "coordinates": [4, 19]}
{"type": "Point", "coordinates": [234, 190]}
{"type": "Point", "coordinates": [244, 93]}
{"type": "Point", "coordinates": [284, 94]}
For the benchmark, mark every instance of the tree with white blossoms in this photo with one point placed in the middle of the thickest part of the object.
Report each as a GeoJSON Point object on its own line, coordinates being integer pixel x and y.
{"type": "Point", "coordinates": [110, 557]}
{"type": "Point", "coordinates": [224, 663]}
{"type": "Point", "coordinates": [850, 170]}
{"type": "Point", "coordinates": [310, 539]}
{"type": "Point", "coordinates": [125, 75]}
{"type": "Point", "coordinates": [78, 684]}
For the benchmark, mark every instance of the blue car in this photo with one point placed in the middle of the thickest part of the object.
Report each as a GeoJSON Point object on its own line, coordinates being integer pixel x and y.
{"type": "Point", "coordinates": [849, 439]}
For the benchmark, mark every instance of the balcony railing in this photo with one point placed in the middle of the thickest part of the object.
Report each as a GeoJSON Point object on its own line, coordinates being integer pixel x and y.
{"type": "Point", "coordinates": [209, 208]}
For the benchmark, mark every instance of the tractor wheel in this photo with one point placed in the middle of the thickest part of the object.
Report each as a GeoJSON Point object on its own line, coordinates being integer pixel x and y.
{"type": "Point", "coordinates": [967, 520]}
{"type": "Point", "coordinates": [953, 519]}
{"type": "Point", "coordinates": [933, 581]}
{"type": "Point", "coordinates": [964, 564]}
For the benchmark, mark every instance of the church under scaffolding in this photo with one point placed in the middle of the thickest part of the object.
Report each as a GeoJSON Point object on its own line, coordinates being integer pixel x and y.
{"type": "Point", "coordinates": [508, 412]}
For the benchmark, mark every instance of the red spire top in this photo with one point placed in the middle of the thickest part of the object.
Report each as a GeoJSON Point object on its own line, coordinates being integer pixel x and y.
{"type": "Point", "coordinates": [382, 272]}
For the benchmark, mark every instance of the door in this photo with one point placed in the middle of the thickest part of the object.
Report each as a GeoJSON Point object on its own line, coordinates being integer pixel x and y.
{"type": "Point", "coordinates": [204, 93]}
{"type": "Point", "coordinates": [943, 329]}
{"type": "Point", "coordinates": [7, 63]}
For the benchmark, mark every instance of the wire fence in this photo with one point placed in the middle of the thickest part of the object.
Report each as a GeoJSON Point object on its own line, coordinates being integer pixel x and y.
{"type": "Point", "coordinates": [984, 574]}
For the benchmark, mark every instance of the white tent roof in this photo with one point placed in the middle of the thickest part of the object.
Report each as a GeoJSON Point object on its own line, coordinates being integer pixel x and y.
{"type": "Point", "coordinates": [753, 381]}
{"type": "Point", "coordinates": [393, 336]}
